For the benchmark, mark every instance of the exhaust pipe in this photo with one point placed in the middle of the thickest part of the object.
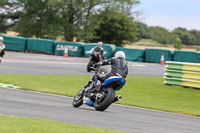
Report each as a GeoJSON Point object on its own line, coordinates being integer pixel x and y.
{"type": "Point", "coordinates": [117, 98]}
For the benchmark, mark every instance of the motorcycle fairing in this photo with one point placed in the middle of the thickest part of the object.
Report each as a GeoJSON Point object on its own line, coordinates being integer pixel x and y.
{"type": "Point", "coordinates": [116, 82]}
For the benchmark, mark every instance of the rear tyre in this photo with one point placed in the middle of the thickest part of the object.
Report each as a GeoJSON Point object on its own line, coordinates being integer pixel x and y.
{"type": "Point", "coordinates": [78, 99]}
{"type": "Point", "coordinates": [101, 105]}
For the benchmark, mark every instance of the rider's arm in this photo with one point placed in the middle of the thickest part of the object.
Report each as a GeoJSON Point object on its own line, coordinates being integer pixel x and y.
{"type": "Point", "coordinates": [104, 62]}
{"type": "Point", "coordinates": [107, 62]}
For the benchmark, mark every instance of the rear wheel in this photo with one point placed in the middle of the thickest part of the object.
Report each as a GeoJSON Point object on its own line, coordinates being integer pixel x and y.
{"type": "Point", "coordinates": [78, 99]}
{"type": "Point", "coordinates": [103, 104]}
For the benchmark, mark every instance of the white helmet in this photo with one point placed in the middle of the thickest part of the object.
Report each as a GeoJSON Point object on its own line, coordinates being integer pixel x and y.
{"type": "Point", "coordinates": [100, 44]}
{"type": "Point", "coordinates": [120, 54]}
{"type": "Point", "coordinates": [1, 39]}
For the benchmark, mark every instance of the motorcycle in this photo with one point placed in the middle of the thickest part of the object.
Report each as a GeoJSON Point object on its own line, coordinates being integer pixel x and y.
{"type": "Point", "coordinates": [95, 58]}
{"type": "Point", "coordinates": [102, 94]}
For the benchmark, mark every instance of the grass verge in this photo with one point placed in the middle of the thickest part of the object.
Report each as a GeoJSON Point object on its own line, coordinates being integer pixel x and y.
{"type": "Point", "coordinates": [13, 124]}
{"type": "Point", "coordinates": [147, 92]}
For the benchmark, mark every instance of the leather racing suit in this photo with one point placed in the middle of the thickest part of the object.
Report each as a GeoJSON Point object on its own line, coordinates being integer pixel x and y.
{"type": "Point", "coordinates": [118, 68]}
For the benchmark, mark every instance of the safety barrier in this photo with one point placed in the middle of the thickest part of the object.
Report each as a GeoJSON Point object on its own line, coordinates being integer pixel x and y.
{"type": "Point", "coordinates": [154, 55]}
{"type": "Point", "coordinates": [74, 48]}
{"type": "Point", "coordinates": [15, 43]}
{"type": "Point", "coordinates": [184, 74]}
{"type": "Point", "coordinates": [132, 54]}
{"type": "Point", "coordinates": [40, 45]}
{"type": "Point", "coordinates": [77, 49]}
{"type": "Point", "coordinates": [187, 56]}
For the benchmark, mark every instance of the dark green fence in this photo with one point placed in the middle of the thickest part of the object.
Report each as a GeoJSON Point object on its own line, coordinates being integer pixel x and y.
{"type": "Point", "coordinates": [154, 55]}
{"type": "Point", "coordinates": [187, 56]}
{"type": "Point", "coordinates": [78, 49]}
{"type": "Point", "coordinates": [132, 54]}
{"type": "Point", "coordinates": [15, 43]}
{"type": "Point", "coordinates": [74, 48]}
{"type": "Point", "coordinates": [41, 45]}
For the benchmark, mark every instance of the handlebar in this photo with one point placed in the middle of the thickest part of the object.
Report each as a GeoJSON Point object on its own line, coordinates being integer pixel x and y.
{"type": "Point", "coordinates": [97, 69]}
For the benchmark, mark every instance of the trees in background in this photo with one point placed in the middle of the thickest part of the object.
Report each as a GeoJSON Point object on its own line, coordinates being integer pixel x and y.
{"type": "Point", "coordinates": [164, 36]}
{"type": "Point", "coordinates": [110, 21]}
{"type": "Point", "coordinates": [115, 27]}
{"type": "Point", "coordinates": [82, 19]}
{"type": "Point", "coordinates": [9, 14]}
{"type": "Point", "coordinates": [178, 44]}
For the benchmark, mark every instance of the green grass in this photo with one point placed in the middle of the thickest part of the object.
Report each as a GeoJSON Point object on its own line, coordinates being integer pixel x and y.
{"type": "Point", "coordinates": [147, 92]}
{"type": "Point", "coordinates": [13, 124]}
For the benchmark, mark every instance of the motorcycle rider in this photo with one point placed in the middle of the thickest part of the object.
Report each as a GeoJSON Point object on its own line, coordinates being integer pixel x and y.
{"type": "Point", "coordinates": [99, 50]}
{"type": "Point", "coordinates": [119, 68]}
{"type": "Point", "coordinates": [97, 55]}
{"type": "Point", "coordinates": [2, 48]}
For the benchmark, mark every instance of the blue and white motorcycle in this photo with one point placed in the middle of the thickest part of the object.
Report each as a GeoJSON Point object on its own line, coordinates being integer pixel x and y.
{"type": "Point", "coordinates": [100, 95]}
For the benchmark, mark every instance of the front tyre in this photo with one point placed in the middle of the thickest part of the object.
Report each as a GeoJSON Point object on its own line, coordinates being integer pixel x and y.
{"type": "Point", "coordinates": [91, 62]}
{"type": "Point", "coordinates": [78, 99]}
{"type": "Point", "coordinates": [101, 105]}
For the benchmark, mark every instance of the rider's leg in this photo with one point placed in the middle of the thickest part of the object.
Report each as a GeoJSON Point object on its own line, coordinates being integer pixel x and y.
{"type": "Point", "coordinates": [87, 85]}
{"type": "Point", "coordinates": [102, 78]}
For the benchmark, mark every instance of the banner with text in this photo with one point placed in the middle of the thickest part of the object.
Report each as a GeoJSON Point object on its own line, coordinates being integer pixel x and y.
{"type": "Point", "coordinates": [74, 48]}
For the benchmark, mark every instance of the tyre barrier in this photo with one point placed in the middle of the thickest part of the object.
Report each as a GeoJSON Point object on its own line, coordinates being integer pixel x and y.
{"type": "Point", "coordinates": [183, 74]}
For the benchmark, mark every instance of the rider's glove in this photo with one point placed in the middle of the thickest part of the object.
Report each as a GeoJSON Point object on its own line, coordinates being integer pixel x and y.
{"type": "Point", "coordinates": [97, 64]}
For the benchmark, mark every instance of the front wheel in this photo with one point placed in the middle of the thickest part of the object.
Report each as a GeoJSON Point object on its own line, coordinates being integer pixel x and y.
{"type": "Point", "coordinates": [78, 99]}
{"type": "Point", "coordinates": [91, 62]}
{"type": "Point", "coordinates": [103, 104]}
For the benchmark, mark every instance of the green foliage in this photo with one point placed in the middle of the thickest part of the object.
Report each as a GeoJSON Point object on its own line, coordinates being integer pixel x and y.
{"type": "Point", "coordinates": [188, 37]}
{"type": "Point", "coordinates": [111, 21]}
{"type": "Point", "coordinates": [143, 31]}
{"type": "Point", "coordinates": [178, 44]}
{"type": "Point", "coordinates": [115, 27]}
{"type": "Point", "coordinates": [148, 92]}
{"type": "Point", "coordinates": [67, 18]}
{"type": "Point", "coordinates": [163, 36]}
{"type": "Point", "coordinates": [9, 10]}
{"type": "Point", "coordinates": [38, 19]}
{"type": "Point", "coordinates": [156, 33]}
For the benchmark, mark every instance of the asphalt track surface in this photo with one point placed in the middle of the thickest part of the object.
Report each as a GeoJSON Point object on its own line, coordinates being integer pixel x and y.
{"type": "Point", "coordinates": [30, 63]}
{"type": "Point", "coordinates": [54, 107]}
